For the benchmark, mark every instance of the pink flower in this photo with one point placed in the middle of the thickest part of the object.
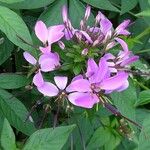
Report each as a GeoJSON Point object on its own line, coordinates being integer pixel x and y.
{"type": "Point", "coordinates": [121, 29]}
{"type": "Point", "coordinates": [85, 91]}
{"type": "Point", "coordinates": [48, 88]}
{"type": "Point", "coordinates": [49, 35]}
{"type": "Point", "coordinates": [124, 58]}
{"type": "Point", "coordinates": [47, 62]}
{"type": "Point", "coordinates": [87, 12]}
{"type": "Point", "coordinates": [100, 34]}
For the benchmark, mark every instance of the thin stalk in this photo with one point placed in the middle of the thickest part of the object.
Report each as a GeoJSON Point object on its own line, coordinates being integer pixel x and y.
{"type": "Point", "coordinates": [145, 32]}
{"type": "Point", "coordinates": [143, 51]}
{"type": "Point", "coordinates": [141, 85]}
{"type": "Point", "coordinates": [56, 116]}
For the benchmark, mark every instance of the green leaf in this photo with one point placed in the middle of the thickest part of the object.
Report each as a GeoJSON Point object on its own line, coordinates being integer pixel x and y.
{"type": "Point", "coordinates": [1, 121]}
{"type": "Point", "coordinates": [99, 138]}
{"type": "Point", "coordinates": [49, 138]}
{"type": "Point", "coordinates": [52, 15]}
{"type": "Point", "coordinates": [124, 101]}
{"type": "Point", "coordinates": [113, 143]}
{"type": "Point", "coordinates": [127, 5]}
{"type": "Point", "coordinates": [11, 1]}
{"type": "Point", "coordinates": [145, 13]}
{"type": "Point", "coordinates": [144, 138]}
{"type": "Point", "coordinates": [144, 98]}
{"type": "Point", "coordinates": [77, 69]}
{"type": "Point", "coordinates": [7, 137]}
{"type": "Point", "coordinates": [145, 5]}
{"type": "Point", "coordinates": [102, 4]}
{"type": "Point", "coordinates": [14, 28]}
{"type": "Point", "coordinates": [15, 112]}
{"type": "Point", "coordinates": [13, 81]}
{"type": "Point", "coordinates": [28, 4]}
{"type": "Point", "coordinates": [76, 13]}
{"type": "Point", "coordinates": [5, 50]}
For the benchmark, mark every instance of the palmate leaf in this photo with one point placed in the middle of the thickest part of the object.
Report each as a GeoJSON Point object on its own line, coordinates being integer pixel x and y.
{"type": "Point", "coordinates": [15, 112]}
{"type": "Point", "coordinates": [14, 28]}
{"type": "Point", "coordinates": [13, 81]}
{"type": "Point", "coordinates": [49, 138]}
{"type": "Point", "coordinates": [27, 4]}
{"type": "Point", "coordinates": [7, 137]}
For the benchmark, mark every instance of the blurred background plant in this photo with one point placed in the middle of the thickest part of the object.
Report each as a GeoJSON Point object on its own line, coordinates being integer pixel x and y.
{"type": "Point", "coordinates": [83, 129]}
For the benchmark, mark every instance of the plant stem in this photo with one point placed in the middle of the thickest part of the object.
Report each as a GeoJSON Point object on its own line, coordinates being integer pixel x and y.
{"type": "Point", "coordinates": [56, 116]}
{"type": "Point", "coordinates": [143, 51]}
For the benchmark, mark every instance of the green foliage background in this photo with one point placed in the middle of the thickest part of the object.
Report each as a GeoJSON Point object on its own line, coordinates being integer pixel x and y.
{"type": "Point", "coordinates": [84, 129]}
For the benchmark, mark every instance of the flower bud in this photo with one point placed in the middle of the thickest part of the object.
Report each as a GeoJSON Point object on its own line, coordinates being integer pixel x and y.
{"type": "Point", "coordinates": [84, 52]}
{"type": "Point", "coordinates": [87, 12]}
{"type": "Point", "coordinates": [61, 45]}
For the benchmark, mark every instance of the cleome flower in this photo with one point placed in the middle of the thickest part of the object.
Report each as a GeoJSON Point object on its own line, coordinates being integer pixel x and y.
{"type": "Point", "coordinates": [123, 60]}
{"type": "Point", "coordinates": [101, 34]}
{"type": "Point", "coordinates": [47, 62]}
{"type": "Point", "coordinates": [48, 88]}
{"type": "Point", "coordinates": [85, 91]}
{"type": "Point", "coordinates": [49, 35]}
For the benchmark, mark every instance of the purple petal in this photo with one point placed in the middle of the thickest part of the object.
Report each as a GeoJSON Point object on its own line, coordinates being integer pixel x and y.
{"type": "Point", "coordinates": [101, 72]}
{"type": "Point", "coordinates": [105, 25]}
{"type": "Point", "coordinates": [86, 36]}
{"type": "Point", "coordinates": [77, 77]}
{"type": "Point", "coordinates": [92, 67]}
{"type": "Point", "coordinates": [68, 34]}
{"type": "Point", "coordinates": [45, 50]}
{"type": "Point", "coordinates": [110, 45]}
{"type": "Point", "coordinates": [49, 62]}
{"type": "Point", "coordinates": [61, 45]}
{"type": "Point", "coordinates": [123, 44]}
{"type": "Point", "coordinates": [61, 82]}
{"type": "Point", "coordinates": [85, 100]}
{"type": "Point", "coordinates": [80, 85]}
{"type": "Point", "coordinates": [41, 31]}
{"type": "Point", "coordinates": [48, 89]}
{"type": "Point", "coordinates": [98, 17]}
{"type": "Point", "coordinates": [87, 12]}
{"type": "Point", "coordinates": [124, 32]}
{"type": "Point", "coordinates": [103, 69]}
{"type": "Point", "coordinates": [95, 29]}
{"type": "Point", "coordinates": [28, 57]}
{"type": "Point", "coordinates": [65, 13]}
{"type": "Point", "coordinates": [38, 79]}
{"type": "Point", "coordinates": [123, 87]}
{"type": "Point", "coordinates": [109, 56]}
{"type": "Point", "coordinates": [85, 51]}
{"type": "Point", "coordinates": [114, 82]}
{"type": "Point", "coordinates": [129, 60]}
{"type": "Point", "coordinates": [55, 33]}
{"type": "Point", "coordinates": [123, 55]}
{"type": "Point", "coordinates": [120, 30]}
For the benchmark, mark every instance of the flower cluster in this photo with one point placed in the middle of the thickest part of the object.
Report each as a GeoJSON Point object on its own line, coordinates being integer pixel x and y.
{"type": "Point", "coordinates": [103, 75]}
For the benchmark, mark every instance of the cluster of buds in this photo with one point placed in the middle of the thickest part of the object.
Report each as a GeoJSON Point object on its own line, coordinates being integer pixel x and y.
{"type": "Point", "coordinates": [101, 78]}
{"type": "Point", "coordinates": [101, 34]}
